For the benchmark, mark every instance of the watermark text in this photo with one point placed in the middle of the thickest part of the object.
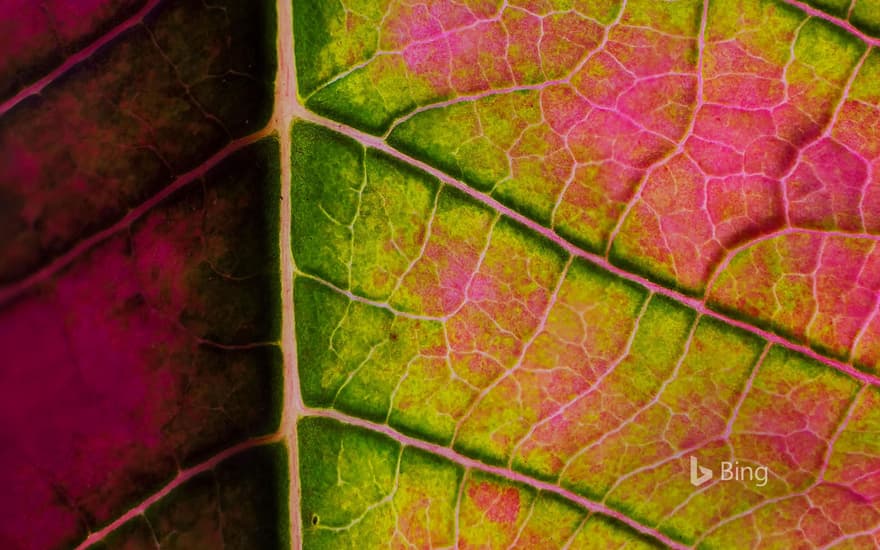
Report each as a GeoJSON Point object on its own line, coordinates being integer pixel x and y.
{"type": "Point", "coordinates": [729, 471]}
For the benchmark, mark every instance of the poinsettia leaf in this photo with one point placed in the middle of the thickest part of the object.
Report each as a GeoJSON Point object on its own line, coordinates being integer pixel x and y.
{"type": "Point", "coordinates": [441, 274]}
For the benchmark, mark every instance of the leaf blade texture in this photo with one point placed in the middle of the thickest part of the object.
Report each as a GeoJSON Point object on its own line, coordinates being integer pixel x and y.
{"type": "Point", "coordinates": [441, 274]}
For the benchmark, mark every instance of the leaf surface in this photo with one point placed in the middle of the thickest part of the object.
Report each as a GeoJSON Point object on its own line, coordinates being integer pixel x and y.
{"type": "Point", "coordinates": [444, 274]}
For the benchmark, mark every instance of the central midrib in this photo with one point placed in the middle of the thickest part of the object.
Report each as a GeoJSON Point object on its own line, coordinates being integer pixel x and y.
{"type": "Point", "coordinates": [282, 118]}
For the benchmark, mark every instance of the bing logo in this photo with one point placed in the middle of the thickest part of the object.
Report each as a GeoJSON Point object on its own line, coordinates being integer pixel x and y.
{"type": "Point", "coordinates": [729, 471]}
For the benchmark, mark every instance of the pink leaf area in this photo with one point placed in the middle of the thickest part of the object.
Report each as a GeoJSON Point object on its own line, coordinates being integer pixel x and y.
{"type": "Point", "coordinates": [39, 36]}
{"type": "Point", "coordinates": [133, 363]}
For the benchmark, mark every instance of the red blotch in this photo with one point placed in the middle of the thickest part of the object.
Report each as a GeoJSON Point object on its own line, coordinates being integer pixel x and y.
{"type": "Point", "coordinates": [607, 135]}
{"type": "Point", "coordinates": [563, 107]}
{"type": "Point", "coordinates": [794, 125]}
{"type": "Point", "coordinates": [871, 203]}
{"type": "Point", "coordinates": [826, 188]}
{"type": "Point", "coordinates": [647, 52]}
{"type": "Point", "coordinates": [430, 61]}
{"type": "Point", "coordinates": [746, 91]}
{"type": "Point", "coordinates": [858, 128]}
{"type": "Point", "coordinates": [742, 207]}
{"type": "Point", "coordinates": [844, 305]}
{"type": "Point", "coordinates": [662, 104]}
{"type": "Point", "coordinates": [603, 79]}
{"type": "Point", "coordinates": [525, 33]}
{"type": "Point", "coordinates": [467, 76]}
{"type": "Point", "coordinates": [845, 508]}
{"type": "Point", "coordinates": [450, 14]}
{"type": "Point", "coordinates": [676, 195]}
{"type": "Point", "coordinates": [478, 61]}
{"type": "Point", "coordinates": [567, 38]}
{"type": "Point", "coordinates": [867, 354]}
{"type": "Point", "coordinates": [733, 57]}
{"type": "Point", "coordinates": [818, 529]}
{"type": "Point", "coordinates": [406, 24]}
{"type": "Point", "coordinates": [769, 156]}
{"type": "Point", "coordinates": [542, 391]}
{"type": "Point", "coordinates": [499, 504]}
{"type": "Point", "coordinates": [596, 198]}
{"type": "Point", "coordinates": [733, 127]}
{"type": "Point", "coordinates": [714, 159]}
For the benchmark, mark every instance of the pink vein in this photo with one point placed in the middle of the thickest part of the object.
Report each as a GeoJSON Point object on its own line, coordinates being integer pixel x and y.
{"type": "Point", "coordinates": [9, 292]}
{"type": "Point", "coordinates": [285, 98]}
{"type": "Point", "coordinates": [466, 462]}
{"type": "Point", "coordinates": [602, 262]}
{"type": "Point", "coordinates": [78, 57]}
{"type": "Point", "coordinates": [836, 21]}
{"type": "Point", "coordinates": [182, 477]}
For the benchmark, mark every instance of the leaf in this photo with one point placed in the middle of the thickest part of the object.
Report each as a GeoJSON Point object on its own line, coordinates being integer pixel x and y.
{"type": "Point", "coordinates": [410, 495]}
{"type": "Point", "coordinates": [152, 352]}
{"type": "Point", "coordinates": [497, 344]}
{"type": "Point", "coordinates": [142, 339]}
{"type": "Point", "coordinates": [106, 135]}
{"type": "Point", "coordinates": [234, 505]}
{"type": "Point", "coordinates": [442, 274]}
{"type": "Point", "coordinates": [44, 35]}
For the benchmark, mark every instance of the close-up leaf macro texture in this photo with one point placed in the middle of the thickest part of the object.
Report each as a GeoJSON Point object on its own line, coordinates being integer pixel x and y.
{"type": "Point", "coordinates": [418, 274]}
